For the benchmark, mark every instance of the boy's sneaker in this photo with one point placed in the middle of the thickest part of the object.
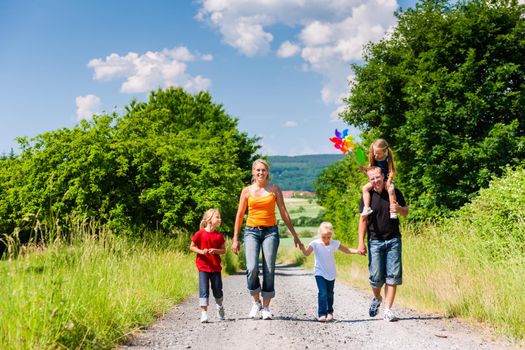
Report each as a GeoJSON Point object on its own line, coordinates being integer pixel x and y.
{"type": "Point", "coordinates": [266, 314]}
{"type": "Point", "coordinates": [367, 211]}
{"type": "Point", "coordinates": [322, 318]}
{"type": "Point", "coordinates": [220, 312]}
{"type": "Point", "coordinates": [329, 317]}
{"type": "Point", "coordinates": [393, 215]}
{"type": "Point", "coordinates": [389, 316]}
{"type": "Point", "coordinates": [256, 307]}
{"type": "Point", "coordinates": [374, 307]}
{"type": "Point", "coordinates": [204, 317]}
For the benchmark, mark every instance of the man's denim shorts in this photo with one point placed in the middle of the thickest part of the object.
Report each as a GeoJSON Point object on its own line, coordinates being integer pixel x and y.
{"type": "Point", "coordinates": [384, 262]}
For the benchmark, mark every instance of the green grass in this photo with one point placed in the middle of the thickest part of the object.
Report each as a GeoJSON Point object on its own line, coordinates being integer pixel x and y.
{"type": "Point", "coordinates": [89, 295]}
{"type": "Point", "coordinates": [469, 266]}
{"type": "Point", "coordinates": [301, 207]}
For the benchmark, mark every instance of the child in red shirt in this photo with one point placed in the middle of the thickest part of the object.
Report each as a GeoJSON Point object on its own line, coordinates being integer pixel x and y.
{"type": "Point", "coordinates": [209, 244]}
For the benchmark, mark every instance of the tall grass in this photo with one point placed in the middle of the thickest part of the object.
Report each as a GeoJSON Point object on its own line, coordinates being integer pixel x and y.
{"type": "Point", "coordinates": [90, 293]}
{"type": "Point", "coordinates": [471, 266]}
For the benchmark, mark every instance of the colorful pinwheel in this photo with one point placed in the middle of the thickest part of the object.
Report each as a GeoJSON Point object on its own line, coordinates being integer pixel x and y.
{"type": "Point", "coordinates": [345, 143]}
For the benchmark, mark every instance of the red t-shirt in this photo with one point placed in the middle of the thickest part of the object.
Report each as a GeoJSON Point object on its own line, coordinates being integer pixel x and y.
{"type": "Point", "coordinates": [205, 240]}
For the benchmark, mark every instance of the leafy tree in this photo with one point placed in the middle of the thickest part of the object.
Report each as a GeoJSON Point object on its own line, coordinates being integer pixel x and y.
{"type": "Point", "coordinates": [159, 166]}
{"type": "Point", "coordinates": [447, 90]}
{"type": "Point", "coordinates": [338, 190]}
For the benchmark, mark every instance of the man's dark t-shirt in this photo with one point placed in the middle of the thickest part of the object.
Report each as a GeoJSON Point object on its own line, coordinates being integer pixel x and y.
{"type": "Point", "coordinates": [380, 226]}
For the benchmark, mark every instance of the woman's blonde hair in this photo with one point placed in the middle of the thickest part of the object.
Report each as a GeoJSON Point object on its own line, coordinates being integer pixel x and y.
{"type": "Point", "coordinates": [207, 217]}
{"type": "Point", "coordinates": [325, 227]}
{"type": "Point", "coordinates": [266, 165]}
{"type": "Point", "coordinates": [382, 145]}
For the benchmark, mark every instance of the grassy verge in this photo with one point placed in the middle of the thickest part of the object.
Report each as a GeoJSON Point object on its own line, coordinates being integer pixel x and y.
{"type": "Point", "coordinates": [91, 294]}
{"type": "Point", "coordinates": [444, 273]}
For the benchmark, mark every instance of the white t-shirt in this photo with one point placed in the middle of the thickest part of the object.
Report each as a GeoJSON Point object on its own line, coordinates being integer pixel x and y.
{"type": "Point", "coordinates": [324, 258]}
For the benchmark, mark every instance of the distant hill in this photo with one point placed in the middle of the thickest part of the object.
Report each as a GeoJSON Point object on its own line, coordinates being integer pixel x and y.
{"type": "Point", "coordinates": [298, 173]}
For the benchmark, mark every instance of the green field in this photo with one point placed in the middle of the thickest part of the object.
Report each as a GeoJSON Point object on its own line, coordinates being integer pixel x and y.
{"type": "Point", "coordinates": [302, 207]}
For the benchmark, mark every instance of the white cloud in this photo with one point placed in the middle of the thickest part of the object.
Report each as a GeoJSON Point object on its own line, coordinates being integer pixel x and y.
{"type": "Point", "coordinates": [288, 49]}
{"type": "Point", "coordinates": [290, 124]}
{"type": "Point", "coordinates": [87, 106]}
{"type": "Point", "coordinates": [151, 70]}
{"type": "Point", "coordinates": [332, 33]}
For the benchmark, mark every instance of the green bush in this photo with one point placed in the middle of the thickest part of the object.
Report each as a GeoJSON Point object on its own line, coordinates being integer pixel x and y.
{"type": "Point", "coordinates": [158, 166]}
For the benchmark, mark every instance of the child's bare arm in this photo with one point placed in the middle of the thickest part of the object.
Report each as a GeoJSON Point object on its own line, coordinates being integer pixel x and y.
{"type": "Point", "coordinates": [195, 249]}
{"type": "Point", "coordinates": [306, 251]}
{"type": "Point", "coordinates": [347, 250]}
{"type": "Point", "coordinates": [220, 250]}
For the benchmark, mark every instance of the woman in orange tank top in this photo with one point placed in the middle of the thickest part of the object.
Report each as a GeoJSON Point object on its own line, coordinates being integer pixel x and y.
{"type": "Point", "coordinates": [261, 233]}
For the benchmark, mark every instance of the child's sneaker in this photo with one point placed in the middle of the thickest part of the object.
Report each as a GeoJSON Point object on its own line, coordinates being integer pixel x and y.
{"type": "Point", "coordinates": [322, 318]}
{"type": "Point", "coordinates": [389, 316]}
{"type": "Point", "coordinates": [256, 307]}
{"type": "Point", "coordinates": [204, 317]}
{"type": "Point", "coordinates": [220, 312]}
{"type": "Point", "coordinates": [266, 314]}
{"type": "Point", "coordinates": [374, 307]}
{"type": "Point", "coordinates": [367, 211]}
{"type": "Point", "coordinates": [329, 317]}
{"type": "Point", "coordinates": [393, 215]}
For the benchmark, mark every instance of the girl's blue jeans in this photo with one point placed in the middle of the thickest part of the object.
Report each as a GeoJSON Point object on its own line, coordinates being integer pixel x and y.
{"type": "Point", "coordinates": [265, 238]}
{"type": "Point", "coordinates": [205, 279]}
{"type": "Point", "coordinates": [325, 297]}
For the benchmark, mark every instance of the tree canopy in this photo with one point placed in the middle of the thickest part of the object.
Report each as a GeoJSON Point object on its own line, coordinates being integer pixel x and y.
{"type": "Point", "coordinates": [446, 89]}
{"type": "Point", "coordinates": [158, 166]}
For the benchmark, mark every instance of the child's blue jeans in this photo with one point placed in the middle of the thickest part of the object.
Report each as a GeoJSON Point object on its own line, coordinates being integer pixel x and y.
{"type": "Point", "coordinates": [325, 297]}
{"type": "Point", "coordinates": [205, 279]}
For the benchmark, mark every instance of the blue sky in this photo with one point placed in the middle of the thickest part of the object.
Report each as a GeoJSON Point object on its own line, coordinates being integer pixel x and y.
{"type": "Point", "coordinates": [281, 67]}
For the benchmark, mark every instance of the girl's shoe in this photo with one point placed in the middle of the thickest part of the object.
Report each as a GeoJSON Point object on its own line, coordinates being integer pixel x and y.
{"type": "Point", "coordinates": [329, 317]}
{"type": "Point", "coordinates": [220, 312]}
{"type": "Point", "coordinates": [367, 211]}
{"type": "Point", "coordinates": [204, 317]}
{"type": "Point", "coordinates": [322, 318]}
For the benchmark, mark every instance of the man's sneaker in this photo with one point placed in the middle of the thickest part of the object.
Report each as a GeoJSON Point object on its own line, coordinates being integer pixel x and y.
{"type": "Point", "coordinates": [374, 307]}
{"type": "Point", "coordinates": [389, 316]}
{"type": "Point", "coordinates": [220, 312]}
{"type": "Point", "coordinates": [322, 318]}
{"type": "Point", "coordinates": [367, 211]}
{"type": "Point", "coordinates": [393, 215]}
{"type": "Point", "coordinates": [256, 307]}
{"type": "Point", "coordinates": [204, 317]}
{"type": "Point", "coordinates": [329, 317]}
{"type": "Point", "coordinates": [266, 314]}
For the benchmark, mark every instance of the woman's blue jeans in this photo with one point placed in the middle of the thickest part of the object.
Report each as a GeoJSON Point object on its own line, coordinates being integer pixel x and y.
{"type": "Point", "coordinates": [257, 239]}
{"type": "Point", "coordinates": [325, 297]}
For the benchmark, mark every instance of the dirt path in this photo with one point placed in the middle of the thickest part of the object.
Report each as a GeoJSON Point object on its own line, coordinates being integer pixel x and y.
{"type": "Point", "coordinates": [294, 325]}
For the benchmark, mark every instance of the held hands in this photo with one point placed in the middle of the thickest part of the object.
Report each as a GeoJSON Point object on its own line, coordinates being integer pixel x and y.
{"type": "Point", "coordinates": [361, 249]}
{"type": "Point", "coordinates": [297, 242]}
{"type": "Point", "coordinates": [205, 251]}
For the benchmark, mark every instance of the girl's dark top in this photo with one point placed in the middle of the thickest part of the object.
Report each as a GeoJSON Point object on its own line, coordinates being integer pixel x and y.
{"type": "Point", "coordinates": [383, 164]}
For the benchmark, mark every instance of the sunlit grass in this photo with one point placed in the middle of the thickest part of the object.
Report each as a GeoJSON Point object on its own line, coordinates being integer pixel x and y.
{"type": "Point", "coordinates": [443, 273]}
{"type": "Point", "coordinates": [89, 295]}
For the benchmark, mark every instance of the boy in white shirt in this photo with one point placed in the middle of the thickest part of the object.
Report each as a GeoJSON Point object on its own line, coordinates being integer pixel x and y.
{"type": "Point", "coordinates": [324, 269]}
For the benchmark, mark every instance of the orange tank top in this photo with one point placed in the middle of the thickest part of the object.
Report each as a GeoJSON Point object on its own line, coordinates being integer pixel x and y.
{"type": "Point", "coordinates": [261, 211]}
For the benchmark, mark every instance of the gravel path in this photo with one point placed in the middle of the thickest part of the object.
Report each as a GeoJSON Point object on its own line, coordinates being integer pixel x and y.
{"type": "Point", "coordinates": [294, 325]}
